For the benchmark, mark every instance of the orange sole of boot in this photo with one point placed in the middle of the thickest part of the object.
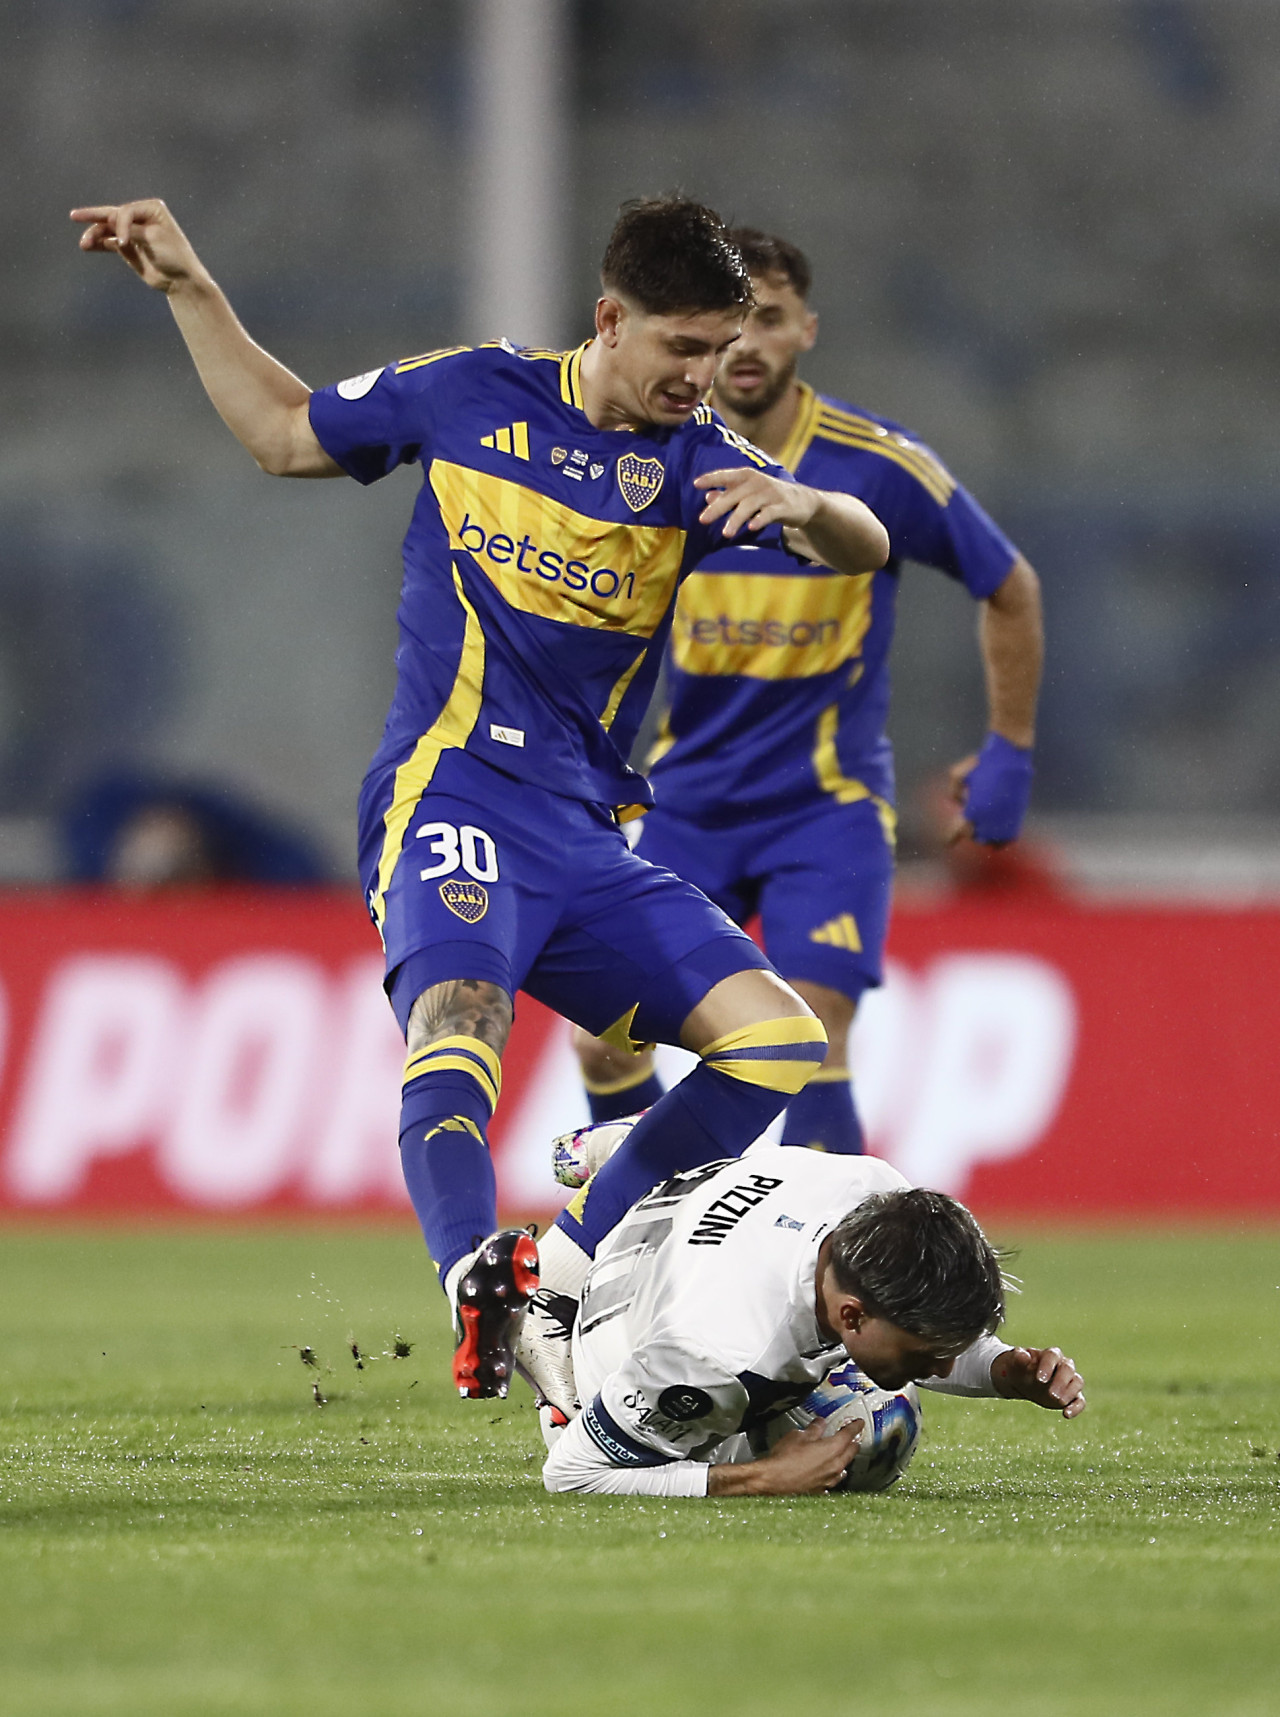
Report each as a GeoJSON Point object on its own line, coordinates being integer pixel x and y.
{"type": "Point", "coordinates": [467, 1355]}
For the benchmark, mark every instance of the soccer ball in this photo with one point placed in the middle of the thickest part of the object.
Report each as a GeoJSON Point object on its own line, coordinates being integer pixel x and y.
{"type": "Point", "coordinates": [891, 1423]}
{"type": "Point", "coordinates": [576, 1156]}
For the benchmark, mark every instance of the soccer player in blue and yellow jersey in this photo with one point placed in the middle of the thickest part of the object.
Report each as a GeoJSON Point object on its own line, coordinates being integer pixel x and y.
{"type": "Point", "coordinates": [564, 497]}
{"type": "Point", "coordinates": [773, 775]}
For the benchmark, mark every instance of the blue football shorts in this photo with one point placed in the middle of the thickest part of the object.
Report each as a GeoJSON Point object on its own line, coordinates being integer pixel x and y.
{"type": "Point", "coordinates": [821, 879]}
{"type": "Point", "coordinates": [502, 881]}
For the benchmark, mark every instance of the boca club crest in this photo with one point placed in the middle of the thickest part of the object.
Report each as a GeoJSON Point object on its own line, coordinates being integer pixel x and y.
{"type": "Point", "coordinates": [466, 900]}
{"type": "Point", "coordinates": [640, 480]}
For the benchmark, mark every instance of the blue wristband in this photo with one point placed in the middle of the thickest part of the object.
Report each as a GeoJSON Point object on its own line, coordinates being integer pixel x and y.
{"type": "Point", "coordinates": [997, 791]}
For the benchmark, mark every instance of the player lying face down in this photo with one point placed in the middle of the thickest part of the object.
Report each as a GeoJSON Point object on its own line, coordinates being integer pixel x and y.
{"type": "Point", "coordinates": [908, 1283]}
{"type": "Point", "coordinates": [726, 1295]}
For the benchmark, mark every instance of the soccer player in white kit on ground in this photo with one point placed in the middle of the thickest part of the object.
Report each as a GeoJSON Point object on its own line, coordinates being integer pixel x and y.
{"type": "Point", "coordinates": [727, 1294]}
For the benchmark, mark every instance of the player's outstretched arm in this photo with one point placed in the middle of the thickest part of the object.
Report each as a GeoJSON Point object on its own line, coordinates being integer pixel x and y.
{"type": "Point", "coordinates": [263, 404]}
{"type": "Point", "coordinates": [838, 530]}
{"type": "Point", "coordinates": [1042, 1375]}
{"type": "Point", "coordinates": [802, 1464]}
{"type": "Point", "coordinates": [993, 788]}
{"type": "Point", "coordinates": [1011, 638]}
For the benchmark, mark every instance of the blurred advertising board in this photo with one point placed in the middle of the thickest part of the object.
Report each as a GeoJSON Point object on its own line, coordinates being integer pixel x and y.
{"type": "Point", "coordinates": [232, 1054]}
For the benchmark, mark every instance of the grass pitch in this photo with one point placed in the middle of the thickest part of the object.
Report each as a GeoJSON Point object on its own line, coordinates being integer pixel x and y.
{"type": "Point", "coordinates": [187, 1530]}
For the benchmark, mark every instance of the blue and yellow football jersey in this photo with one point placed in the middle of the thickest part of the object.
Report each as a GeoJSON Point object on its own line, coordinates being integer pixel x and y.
{"type": "Point", "coordinates": [778, 670]}
{"type": "Point", "coordinates": [540, 569]}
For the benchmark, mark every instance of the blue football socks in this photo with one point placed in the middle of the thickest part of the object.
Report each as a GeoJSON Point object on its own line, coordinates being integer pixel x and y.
{"type": "Point", "coordinates": [450, 1090]}
{"type": "Point", "coordinates": [824, 1116]}
{"type": "Point", "coordinates": [744, 1080]}
{"type": "Point", "coordinates": [625, 1096]}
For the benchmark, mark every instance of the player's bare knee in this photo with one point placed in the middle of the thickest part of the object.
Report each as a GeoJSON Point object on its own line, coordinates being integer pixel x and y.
{"type": "Point", "coordinates": [461, 1007]}
{"type": "Point", "coordinates": [739, 1001]}
{"type": "Point", "coordinates": [836, 1011]}
{"type": "Point", "coordinates": [753, 1027]}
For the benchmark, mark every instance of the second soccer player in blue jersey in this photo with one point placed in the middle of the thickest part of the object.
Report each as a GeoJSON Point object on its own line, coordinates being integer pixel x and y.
{"type": "Point", "coordinates": [773, 776]}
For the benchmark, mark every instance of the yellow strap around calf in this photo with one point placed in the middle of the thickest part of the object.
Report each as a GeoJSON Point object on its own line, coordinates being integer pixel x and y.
{"type": "Point", "coordinates": [459, 1055]}
{"type": "Point", "coordinates": [778, 1054]}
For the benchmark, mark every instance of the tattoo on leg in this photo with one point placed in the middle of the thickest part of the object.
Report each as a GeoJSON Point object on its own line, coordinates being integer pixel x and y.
{"type": "Point", "coordinates": [462, 1007]}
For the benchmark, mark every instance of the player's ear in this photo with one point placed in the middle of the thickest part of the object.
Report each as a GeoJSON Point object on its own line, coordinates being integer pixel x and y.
{"type": "Point", "coordinates": [852, 1313]}
{"type": "Point", "coordinates": [610, 315]}
{"type": "Point", "coordinates": [810, 331]}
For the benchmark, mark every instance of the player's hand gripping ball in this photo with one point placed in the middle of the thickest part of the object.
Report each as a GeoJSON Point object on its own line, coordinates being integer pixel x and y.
{"type": "Point", "coordinates": [891, 1421]}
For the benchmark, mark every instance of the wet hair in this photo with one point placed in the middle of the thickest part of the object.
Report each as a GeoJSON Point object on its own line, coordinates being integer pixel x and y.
{"type": "Point", "coordinates": [920, 1260]}
{"type": "Point", "coordinates": [670, 254]}
{"type": "Point", "coordinates": [766, 255]}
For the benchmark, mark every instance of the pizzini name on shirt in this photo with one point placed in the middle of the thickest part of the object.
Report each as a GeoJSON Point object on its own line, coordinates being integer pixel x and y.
{"type": "Point", "coordinates": [723, 1216]}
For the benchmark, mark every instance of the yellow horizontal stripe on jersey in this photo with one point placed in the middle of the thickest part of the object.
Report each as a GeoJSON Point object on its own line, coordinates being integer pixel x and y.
{"type": "Point", "coordinates": [847, 431]}
{"type": "Point", "coordinates": [547, 559]}
{"type": "Point", "coordinates": [450, 730]}
{"type": "Point", "coordinates": [786, 628]}
{"type": "Point", "coordinates": [429, 358]}
{"type": "Point", "coordinates": [844, 789]}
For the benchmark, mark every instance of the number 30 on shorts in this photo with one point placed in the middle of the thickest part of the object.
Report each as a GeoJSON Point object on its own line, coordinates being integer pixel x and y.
{"type": "Point", "coordinates": [467, 848]}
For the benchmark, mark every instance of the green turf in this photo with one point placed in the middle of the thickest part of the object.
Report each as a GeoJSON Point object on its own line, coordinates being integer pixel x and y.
{"type": "Point", "coordinates": [184, 1530]}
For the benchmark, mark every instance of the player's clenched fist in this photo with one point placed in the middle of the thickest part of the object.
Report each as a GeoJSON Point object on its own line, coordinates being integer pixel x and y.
{"type": "Point", "coordinates": [146, 235]}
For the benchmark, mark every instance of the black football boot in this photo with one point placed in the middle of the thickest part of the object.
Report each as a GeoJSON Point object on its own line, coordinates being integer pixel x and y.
{"type": "Point", "coordinates": [492, 1296]}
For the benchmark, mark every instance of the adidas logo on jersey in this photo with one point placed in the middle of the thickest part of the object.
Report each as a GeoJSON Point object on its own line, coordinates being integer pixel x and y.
{"type": "Point", "coordinates": [514, 439]}
{"type": "Point", "coordinates": [839, 932]}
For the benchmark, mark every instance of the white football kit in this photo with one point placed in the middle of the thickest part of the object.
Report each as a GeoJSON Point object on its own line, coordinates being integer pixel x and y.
{"type": "Point", "coordinates": [698, 1320]}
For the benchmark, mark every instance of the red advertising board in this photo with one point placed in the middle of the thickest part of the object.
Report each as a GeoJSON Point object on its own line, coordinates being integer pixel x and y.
{"type": "Point", "coordinates": [232, 1053]}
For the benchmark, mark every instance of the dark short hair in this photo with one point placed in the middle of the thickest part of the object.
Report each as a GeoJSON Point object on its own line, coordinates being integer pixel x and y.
{"type": "Point", "coordinates": [671, 254]}
{"type": "Point", "coordinates": [766, 254]}
{"type": "Point", "coordinates": [920, 1260]}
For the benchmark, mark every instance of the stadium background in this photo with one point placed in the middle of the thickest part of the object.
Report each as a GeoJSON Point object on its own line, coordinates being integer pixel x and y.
{"type": "Point", "coordinates": [1043, 237]}
{"type": "Point", "coordinates": [234, 1479]}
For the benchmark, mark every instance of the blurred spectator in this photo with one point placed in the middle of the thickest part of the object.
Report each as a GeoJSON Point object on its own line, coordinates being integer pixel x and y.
{"type": "Point", "coordinates": [145, 832]}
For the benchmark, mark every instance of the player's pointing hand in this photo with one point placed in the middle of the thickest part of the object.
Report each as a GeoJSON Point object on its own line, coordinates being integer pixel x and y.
{"type": "Point", "coordinates": [752, 498]}
{"type": "Point", "coordinates": [146, 236]}
{"type": "Point", "coordinates": [837, 530]}
{"type": "Point", "coordinates": [1042, 1375]}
